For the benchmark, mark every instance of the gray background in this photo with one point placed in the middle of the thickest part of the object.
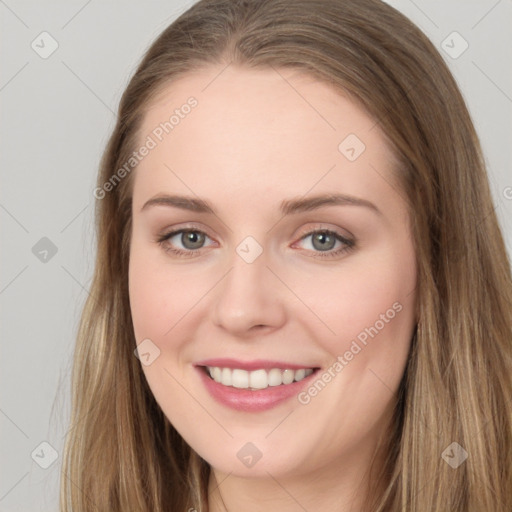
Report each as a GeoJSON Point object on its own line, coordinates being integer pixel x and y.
{"type": "Point", "coordinates": [57, 113]}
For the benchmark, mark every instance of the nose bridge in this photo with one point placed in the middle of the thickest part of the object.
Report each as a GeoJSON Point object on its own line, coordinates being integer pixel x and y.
{"type": "Point", "coordinates": [248, 295]}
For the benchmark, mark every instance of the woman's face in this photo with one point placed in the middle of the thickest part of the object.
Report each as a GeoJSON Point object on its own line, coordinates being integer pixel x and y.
{"type": "Point", "coordinates": [295, 254]}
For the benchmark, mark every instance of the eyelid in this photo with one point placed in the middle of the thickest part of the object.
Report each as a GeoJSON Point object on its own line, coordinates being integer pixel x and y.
{"type": "Point", "coordinates": [315, 227]}
{"type": "Point", "coordinates": [347, 244]}
{"type": "Point", "coordinates": [303, 231]}
{"type": "Point", "coordinates": [349, 241]}
{"type": "Point", "coordinates": [172, 230]}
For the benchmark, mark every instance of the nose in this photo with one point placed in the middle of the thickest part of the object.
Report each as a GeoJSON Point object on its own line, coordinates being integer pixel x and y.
{"type": "Point", "coordinates": [249, 299]}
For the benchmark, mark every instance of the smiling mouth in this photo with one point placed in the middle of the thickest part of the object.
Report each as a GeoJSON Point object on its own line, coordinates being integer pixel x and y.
{"type": "Point", "coordinates": [256, 379]}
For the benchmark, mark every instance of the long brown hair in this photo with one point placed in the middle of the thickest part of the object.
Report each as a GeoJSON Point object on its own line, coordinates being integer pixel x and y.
{"type": "Point", "coordinates": [122, 453]}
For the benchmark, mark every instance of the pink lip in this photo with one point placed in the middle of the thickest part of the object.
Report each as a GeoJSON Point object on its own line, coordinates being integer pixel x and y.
{"type": "Point", "coordinates": [251, 401]}
{"type": "Point", "coordinates": [251, 365]}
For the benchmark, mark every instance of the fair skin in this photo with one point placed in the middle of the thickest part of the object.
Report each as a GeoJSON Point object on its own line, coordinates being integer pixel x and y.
{"type": "Point", "coordinates": [250, 143]}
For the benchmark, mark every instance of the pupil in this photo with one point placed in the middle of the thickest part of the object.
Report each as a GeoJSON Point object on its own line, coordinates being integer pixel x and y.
{"type": "Point", "coordinates": [192, 239]}
{"type": "Point", "coordinates": [323, 238]}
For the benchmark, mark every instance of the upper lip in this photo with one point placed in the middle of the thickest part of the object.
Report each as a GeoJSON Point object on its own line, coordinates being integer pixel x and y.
{"type": "Point", "coordinates": [255, 364]}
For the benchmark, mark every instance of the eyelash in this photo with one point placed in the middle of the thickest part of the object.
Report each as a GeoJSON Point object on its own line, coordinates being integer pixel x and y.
{"type": "Point", "coordinates": [348, 244]}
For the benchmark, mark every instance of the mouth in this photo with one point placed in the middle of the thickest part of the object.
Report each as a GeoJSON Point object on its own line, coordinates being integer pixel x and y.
{"type": "Point", "coordinates": [254, 386]}
{"type": "Point", "coordinates": [258, 379]}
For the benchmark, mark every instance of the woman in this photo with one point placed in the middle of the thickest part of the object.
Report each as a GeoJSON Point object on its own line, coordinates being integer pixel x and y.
{"type": "Point", "coordinates": [302, 298]}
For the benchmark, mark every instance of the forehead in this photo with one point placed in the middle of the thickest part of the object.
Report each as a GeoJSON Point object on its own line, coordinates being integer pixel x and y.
{"type": "Point", "coordinates": [258, 99]}
{"type": "Point", "coordinates": [249, 131]}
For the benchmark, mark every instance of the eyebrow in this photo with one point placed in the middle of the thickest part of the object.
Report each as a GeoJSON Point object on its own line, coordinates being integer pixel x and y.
{"type": "Point", "coordinates": [287, 207]}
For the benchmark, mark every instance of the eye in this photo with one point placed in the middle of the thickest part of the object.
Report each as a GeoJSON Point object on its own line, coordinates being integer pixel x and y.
{"type": "Point", "coordinates": [323, 243]}
{"type": "Point", "coordinates": [192, 240]}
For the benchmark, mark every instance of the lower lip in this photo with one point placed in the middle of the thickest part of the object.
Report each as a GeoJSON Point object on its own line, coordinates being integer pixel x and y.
{"type": "Point", "coordinates": [252, 401]}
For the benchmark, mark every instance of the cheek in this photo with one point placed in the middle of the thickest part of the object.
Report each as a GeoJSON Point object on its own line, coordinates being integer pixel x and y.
{"type": "Point", "coordinates": [369, 303]}
{"type": "Point", "coordinates": [347, 302]}
{"type": "Point", "coordinates": [161, 300]}
{"type": "Point", "coordinates": [355, 300]}
{"type": "Point", "coordinates": [159, 296]}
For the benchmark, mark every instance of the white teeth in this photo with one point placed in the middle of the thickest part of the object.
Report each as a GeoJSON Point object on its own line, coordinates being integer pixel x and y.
{"type": "Point", "coordinates": [226, 376]}
{"type": "Point", "coordinates": [288, 376]}
{"type": "Point", "coordinates": [257, 379]}
{"type": "Point", "coordinates": [275, 377]}
{"type": "Point", "coordinates": [300, 374]}
{"type": "Point", "coordinates": [240, 378]}
{"type": "Point", "coordinates": [216, 374]}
